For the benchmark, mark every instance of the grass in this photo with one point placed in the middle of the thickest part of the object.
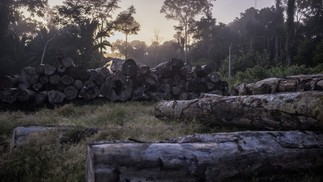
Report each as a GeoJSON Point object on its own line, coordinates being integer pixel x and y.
{"type": "Point", "coordinates": [116, 121]}
{"type": "Point", "coordinates": [57, 162]}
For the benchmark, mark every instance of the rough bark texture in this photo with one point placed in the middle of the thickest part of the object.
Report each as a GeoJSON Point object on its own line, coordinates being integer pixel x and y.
{"type": "Point", "coordinates": [284, 111]}
{"type": "Point", "coordinates": [206, 157]}
{"type": "Point", "coordinates": [274, 85]}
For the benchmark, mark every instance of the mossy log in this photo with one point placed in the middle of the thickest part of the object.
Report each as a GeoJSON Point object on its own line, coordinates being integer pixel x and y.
{"type": "Point", "coordinates": [283, 111]}
{"type": "Point", "coordinates": [206, 157]}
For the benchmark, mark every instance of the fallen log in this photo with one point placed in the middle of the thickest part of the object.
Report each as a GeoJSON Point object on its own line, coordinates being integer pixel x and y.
{"type": "Point", "coordinates": [283, 111]}
{"type": "Point", "coordinates": [297, 83]}
{"type": "Point", "coordinates": [207, 157]}
{"type": "Point", "coordinates": [44, 135]}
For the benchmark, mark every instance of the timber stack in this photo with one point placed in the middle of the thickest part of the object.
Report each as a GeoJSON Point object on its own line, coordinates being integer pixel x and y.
{"type": "Point", "coordinates": [118, 80]}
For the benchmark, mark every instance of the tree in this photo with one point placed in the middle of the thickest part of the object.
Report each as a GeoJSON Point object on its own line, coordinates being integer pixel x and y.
{"type": "Point", "coordinates": [290, 31]}
{"type": "Point", "coordinates": [126, 23]}
{"type": "Point", "coordinates": [185, 12]}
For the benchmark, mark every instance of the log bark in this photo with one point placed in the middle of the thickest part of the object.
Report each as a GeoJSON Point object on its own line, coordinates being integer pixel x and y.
{"type": "Point", "coordinates": [284, 111]}
{"type": "Point", "coordinates": [295, 83]}
{"type": "Point", "coordinates": [207, 157]}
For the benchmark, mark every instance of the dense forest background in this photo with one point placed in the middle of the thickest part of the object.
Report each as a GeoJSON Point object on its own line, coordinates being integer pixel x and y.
{"type": "Point", "coordinates": [285, 36]}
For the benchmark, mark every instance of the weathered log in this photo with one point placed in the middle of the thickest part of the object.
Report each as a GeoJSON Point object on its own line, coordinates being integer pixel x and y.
{"type": "Point", "coordinates": [42, 135]}
{"type": "Point", "coordinates": [49, 70]}
{"type": "Point", "coordinates": [89, 90]}
{"type": "Point", "coordinates": [78, 84]}
{"type": "Point", "coordinates": [169, 68]}
{"type": "Point", "coordinates": [9, 81]}
{"type": "Point", "coordinates": [24, 95]}
{"type": "Point", "coordinates": [67, 80]}
{"type": "Point", "coordinates": [40, 98]}
{"type": "Point", "coordinates": [55, 97]}
{"type": "Point", "coordinates": [8, 95]}
{"type": "Point", "coordinates": [54, 79]}
{"type": "Point", "coordinates": [207, 157]}
{"type": "Point", "coordinates": [276, 85]}
{"type": "Point", "coordinates": [284, 111]}
{"type": "Point", "coordinates": [70, 92]}
{"type": "Point", "coordinates": [127, 67]}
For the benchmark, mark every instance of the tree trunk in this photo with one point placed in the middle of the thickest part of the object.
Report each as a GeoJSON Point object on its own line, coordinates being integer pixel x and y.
{"type": "Point", "coordinates": [275, 85]}
{"type": "Point", "coordinates": [207, 157]}
{"type": "Point", "coordinates": [300, 110]}
{"type": "Point", "coordinates": [290, 31]}
{"type": "Point", "coordinates": [117, 88]}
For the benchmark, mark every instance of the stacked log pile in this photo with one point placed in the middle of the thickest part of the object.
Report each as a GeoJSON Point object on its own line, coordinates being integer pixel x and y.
{"type": "Point", "coordinates": [118, 80]}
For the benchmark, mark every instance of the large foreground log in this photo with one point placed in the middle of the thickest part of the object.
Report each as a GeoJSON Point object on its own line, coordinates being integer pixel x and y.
{"type": "Point", "coordinates": [284, 111]}
{"type": "Point", "coordinates": [208, 157]}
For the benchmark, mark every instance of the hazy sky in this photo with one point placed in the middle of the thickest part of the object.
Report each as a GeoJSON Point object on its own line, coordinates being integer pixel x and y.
{"type": "Point", "coordinates": [150, 19]}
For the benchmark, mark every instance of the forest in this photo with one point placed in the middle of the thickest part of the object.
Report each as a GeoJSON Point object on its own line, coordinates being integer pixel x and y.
{"type": "Point", "coordinates": [285, 36]}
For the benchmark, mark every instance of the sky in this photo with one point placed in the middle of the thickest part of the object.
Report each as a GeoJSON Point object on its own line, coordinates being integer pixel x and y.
{"type": "Point", "coordinates": [150, 19]}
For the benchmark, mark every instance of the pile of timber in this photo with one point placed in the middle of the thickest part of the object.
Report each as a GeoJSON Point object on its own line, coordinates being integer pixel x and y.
{"type": "Point", "coordinates": [297, 83]}
{"type": "Point", "coordinates": [118, 80]}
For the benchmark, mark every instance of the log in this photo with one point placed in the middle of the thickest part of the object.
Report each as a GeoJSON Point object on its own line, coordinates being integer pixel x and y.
{"type": "Point", "coordinates": [44, 135]}
{"type": "Point", "coordinates": [54, 79]}
{"type": "Point", "coordinates": [295, 83]}
{"type": "Point", "coordinates": [144, 70]}
{"type": "Point", "coordinates": [89, 90]}
{"type": "Point", "coordinates": [283, 111]}
{"type": "Point", "coordinates": [169, 68]}
{"type": "Point", "coordinates": [40, 98]}
{"type": "Point", "coordinates": [206, 157]}
{"type": "Point", "coordinates": [117, 87]}
{"type": "Point", "coordinates": [29, 76]}
{"type": "Point", "coordinates": [60, 68]}
{"type": "Point", "coordinates": [40, 69]}
{"type": "Point", "coordinates": [70, 92]}
{"type": "Point", "coordinates": [55, 97]}
{"type": "Point", "coordinates": [78, 73]}
{"type": "Point", "coordinates": [8, 95]}
{"type": "Point", "coordinates": [78, 84]}
{"type": "Point", "coordinates": [127, 67]}
{"type": "Point", "coordinates": [24, 95]}
{"type": "Point", "coordinates": [67, 80]}
{"type": "Point", "coordinates": [9, 81]}
{"type": "Point", "coordinates": [49, 70]}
